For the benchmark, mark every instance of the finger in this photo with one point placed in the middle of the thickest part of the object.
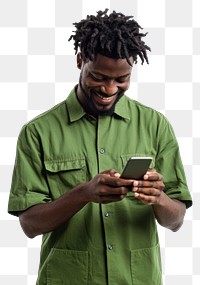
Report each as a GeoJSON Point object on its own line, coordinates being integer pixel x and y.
{"type": "Point", "coordinates": [113, 173]}
{"type": "Point", "coordinates": [147, 200]}
{"type": "Point", "coordinates": [110, 172]}
{"type": "Point", "coordinates": [141, 183]}
{"type": "Point", "coordinates": [111, 198]}
{"type": "Point", "coordinates": [116, 182]}
{"type": "Point", "coordinates": [106, 191]}
{"type": "Point", "coordinates": [148, 191]}
{"type": "Point", "coordinates": [153, 176]}
{"type": "Point", "coordinates": [117, 175]}
{"type": "Point", "coordinates": [148, 184]}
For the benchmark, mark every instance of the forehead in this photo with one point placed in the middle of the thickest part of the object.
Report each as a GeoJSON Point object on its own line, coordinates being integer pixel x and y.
{"type": "Point", "coordinates": [109, 66]}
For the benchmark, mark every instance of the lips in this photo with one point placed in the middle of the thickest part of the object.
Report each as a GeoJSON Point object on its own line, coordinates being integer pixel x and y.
{"type": "Point", "coordinates": [100, 99]}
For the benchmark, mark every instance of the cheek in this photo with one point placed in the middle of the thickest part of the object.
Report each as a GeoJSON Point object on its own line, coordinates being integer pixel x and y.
{"type": "Point", "coordinates": [125, 86]}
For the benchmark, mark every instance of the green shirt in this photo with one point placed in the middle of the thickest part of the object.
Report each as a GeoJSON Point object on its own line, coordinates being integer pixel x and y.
{"type": "Point", "coordinates": [115, 243]}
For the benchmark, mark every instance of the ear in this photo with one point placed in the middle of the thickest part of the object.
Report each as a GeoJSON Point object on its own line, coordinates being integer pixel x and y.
{"type": "Point", "coordinates": [79, 60]}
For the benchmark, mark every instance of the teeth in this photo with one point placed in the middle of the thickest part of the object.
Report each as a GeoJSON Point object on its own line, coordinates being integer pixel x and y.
{"type": "Point", "coordinates": [102, 97]}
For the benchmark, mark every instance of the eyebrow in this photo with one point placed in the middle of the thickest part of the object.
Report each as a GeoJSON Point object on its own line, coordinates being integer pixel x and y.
{"type": "Point", "coordinates": [103, 75]}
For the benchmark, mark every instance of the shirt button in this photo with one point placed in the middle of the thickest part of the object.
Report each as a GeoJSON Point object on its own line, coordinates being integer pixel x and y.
{"type": "Point", "coordinates": [102, 151]}
{"type": "Point", "coordinates": [106, 214]}
{"type": "Point", "coordinates": [110, 247]}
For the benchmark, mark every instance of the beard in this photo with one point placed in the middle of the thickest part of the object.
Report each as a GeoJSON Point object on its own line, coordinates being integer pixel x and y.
{"type": "Point", "coordinates": [89, 105]}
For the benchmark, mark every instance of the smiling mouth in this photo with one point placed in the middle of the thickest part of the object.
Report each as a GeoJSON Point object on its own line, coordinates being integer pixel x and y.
{"type": "Point", "coordinates": [102, 100]}
{"type": "Point", "coordinates": [105, 98]}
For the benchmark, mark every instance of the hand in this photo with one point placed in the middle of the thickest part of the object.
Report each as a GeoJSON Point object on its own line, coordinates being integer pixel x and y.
{"type": "Point", "coordinates": [107, 187]}
{"type": "Point", "coordinates": [149, 190]}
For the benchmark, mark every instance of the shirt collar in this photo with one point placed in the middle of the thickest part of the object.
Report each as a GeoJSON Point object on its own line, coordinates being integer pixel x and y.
{"type": "Point", "coordinates": [121, 108]}
{"type": "Point", "coordinates": [76, 111]}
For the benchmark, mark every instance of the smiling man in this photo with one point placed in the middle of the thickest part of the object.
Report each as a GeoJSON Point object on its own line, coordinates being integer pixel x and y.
{"type": "Point", "coordinates": [99, 229]}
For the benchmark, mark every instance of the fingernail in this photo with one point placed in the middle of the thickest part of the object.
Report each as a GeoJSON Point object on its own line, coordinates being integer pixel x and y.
{"type": "Point", "coordinates": [136, 194]}
{"type": "Point", "coordinates": [135, 183]}
{"type": "Point", "coordinates": [135, 189]}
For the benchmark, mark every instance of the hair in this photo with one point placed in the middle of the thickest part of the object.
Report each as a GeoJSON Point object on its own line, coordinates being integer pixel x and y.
{"type": "Point", "coordinates": [115, 35]}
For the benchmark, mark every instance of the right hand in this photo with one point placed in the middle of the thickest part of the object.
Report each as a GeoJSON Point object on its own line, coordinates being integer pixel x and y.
{"type": "Point", "coordinates": [107, 187]}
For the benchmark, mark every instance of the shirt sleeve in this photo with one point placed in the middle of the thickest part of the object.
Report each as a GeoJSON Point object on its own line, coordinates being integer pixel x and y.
{"type": "Point", "coordinates": [29, 185]}
{"type": "Point", "coordinates": [169, 164]}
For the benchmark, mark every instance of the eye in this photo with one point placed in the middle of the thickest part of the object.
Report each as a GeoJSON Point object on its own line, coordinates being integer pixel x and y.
{"type": "Point", "coordinates": [96, 78]}
{"type": "Point", "coordinates": [122, 79]}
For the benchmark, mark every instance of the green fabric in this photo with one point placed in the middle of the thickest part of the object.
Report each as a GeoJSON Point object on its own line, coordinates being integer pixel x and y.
{"type": "Point", "coordinates": [115, 243]}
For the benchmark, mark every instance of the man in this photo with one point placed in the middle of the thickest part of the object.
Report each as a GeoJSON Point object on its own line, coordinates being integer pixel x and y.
{"type": "Point", "coordinates": [97, 227]}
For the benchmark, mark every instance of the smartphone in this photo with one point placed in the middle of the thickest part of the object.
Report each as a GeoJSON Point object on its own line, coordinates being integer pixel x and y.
{"type": "Point", "coordinates": [136, 167]}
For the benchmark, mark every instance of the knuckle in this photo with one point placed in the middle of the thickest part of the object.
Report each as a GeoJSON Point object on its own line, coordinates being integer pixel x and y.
{"type": "Point", "coordinates": [117, 183]}
{"type": "Point", "coordinates": [100, 179]}
{"type": "Point", "coordinates": [141, 190]}
{"type": "Point", "coordinates": [102, 191]}
{"type": "Point", "coordinates": [123, 190]}
{"type": "Point", "coordinates": [162, 186]}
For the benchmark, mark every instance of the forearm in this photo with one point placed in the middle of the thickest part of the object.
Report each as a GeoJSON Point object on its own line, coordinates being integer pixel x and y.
{"type": "Point", "coordinates": [47, 217]}
{"type": "Point", "coordinates": [169, 212]}
{"type": "Point", "coordinates": [103, 188]}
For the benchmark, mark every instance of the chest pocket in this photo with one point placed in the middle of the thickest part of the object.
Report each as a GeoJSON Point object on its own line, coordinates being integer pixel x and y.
{"type": "Point", "coordinates": [64, 175]}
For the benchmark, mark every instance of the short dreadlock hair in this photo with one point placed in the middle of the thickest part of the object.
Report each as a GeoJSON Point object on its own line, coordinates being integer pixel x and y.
{"type": "Point", "coordinates": [115, 35]}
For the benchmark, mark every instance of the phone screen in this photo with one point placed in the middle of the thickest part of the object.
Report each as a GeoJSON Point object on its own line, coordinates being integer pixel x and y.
{"type": "Point", "coordinates": [136, 167]}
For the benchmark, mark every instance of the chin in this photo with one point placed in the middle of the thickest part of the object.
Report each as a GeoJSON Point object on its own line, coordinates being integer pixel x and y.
{"type": "Point", "coordinates": [105, 111]}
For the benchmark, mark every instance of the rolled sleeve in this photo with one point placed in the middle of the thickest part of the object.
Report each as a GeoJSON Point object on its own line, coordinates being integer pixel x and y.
{"type": "Point", "coordinates": [29, 185]}
{"type": "Point", "coordinates": [169, 163]}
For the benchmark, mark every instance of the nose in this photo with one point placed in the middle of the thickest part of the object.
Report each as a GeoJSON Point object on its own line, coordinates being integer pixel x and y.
{"type": "Point", "coordinates": [109, 88]}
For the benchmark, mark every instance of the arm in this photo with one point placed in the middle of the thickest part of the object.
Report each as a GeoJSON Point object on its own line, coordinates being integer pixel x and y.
{"type": "Point", "coordinates": [168, 212]}
{"type": "Point", "coordinates": [46, 217]}
{"type": "Point", "coordinates": [103, 188]}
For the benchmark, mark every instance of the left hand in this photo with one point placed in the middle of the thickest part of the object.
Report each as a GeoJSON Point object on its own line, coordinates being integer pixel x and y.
{"type": "Point", "coordinates": [149, 190]}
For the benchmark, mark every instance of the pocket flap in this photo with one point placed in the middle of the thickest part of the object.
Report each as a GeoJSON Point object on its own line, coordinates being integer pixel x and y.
{"type": "Point", "coordinates": [57, 165]}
